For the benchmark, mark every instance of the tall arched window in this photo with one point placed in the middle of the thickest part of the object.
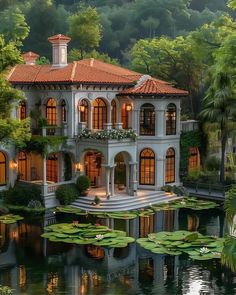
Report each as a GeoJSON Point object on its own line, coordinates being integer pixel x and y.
{"type": "Point", "coordinates": [51, 112]}
{"type": "Point", "coordinates": [147, 167]}
{"type": "Point", "coordinates": [147, 119]}
{"type": "Point", "coordinates": [113, 113]}
{"type": "Point", "coordinates": [52, 168]}
{"type": "Point", "coordinates": [22, 110]}
{"type": "Point", "coordinates": [170, 166]}
{"type": "Point", "coordinates": [171, 119]}
{"type": "Point", "coordinates": [126, 108]}
{"type": "Point", "coordinates": [22, 166]}
{"type": "Point", "coordinates": [99, 113]}
{"type": "Point", "coordinates": [193, 158]}
{"type": "Point", "coordinates": [3, 169]}
{"type": "Point", "coordinates": [63, 112]}
{"type": "Point", "coordinates": [83, 109]}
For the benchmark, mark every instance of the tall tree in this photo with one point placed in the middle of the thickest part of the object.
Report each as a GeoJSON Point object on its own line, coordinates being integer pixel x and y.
{"type": "Point", "coordinates": [219, 107]}
{"type": "Point", "coordinates": [85, 29]}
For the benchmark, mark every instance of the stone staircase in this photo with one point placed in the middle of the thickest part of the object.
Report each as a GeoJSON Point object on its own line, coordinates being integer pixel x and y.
{"type": "Point", "coordinates": [125, 202]}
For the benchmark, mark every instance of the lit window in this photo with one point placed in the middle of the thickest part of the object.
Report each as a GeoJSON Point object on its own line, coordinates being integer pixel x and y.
{"type": "Point", "coordinates": [51, 112]}
{"type": "Point", "coordinates": [22, 166]}
{"type": "Point", "coordinates": [147, 167]}
{"type": "Point", "coordinates": [2, 169]}
{"type": "Point", "coordinates": [63, 111]}
{"type": "Point", "coordinates": [52, 168]}
{"type": "Point", "coordinates": [170, 166]}
{"type": "Point", "coordinates": [113, 113]}
{"type": "Point", "coordinates": [22, 110]}
{"type": "Point", "coordinates": [125, 116]}
{"type": "Point", "coordinates": [171, 119]}
{"type": "Point", "coordinates": [147, 119]}
{"type": "Point", "coordinates": [193, 159]}
{"type": "Point", "coordinates": [83, 109]}
{"type": "Point", "coordinates": [99, 113]}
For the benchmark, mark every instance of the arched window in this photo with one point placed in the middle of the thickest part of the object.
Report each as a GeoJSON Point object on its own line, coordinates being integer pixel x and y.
{"type": "Point", "coordinates": [193, 158]}
{"type": "Point", "coordinates": [99, 113]}
{"type": "Point", "coordinates": [147, 167]}
{"type": "Point", "coordinates": [83, 109]}
{"type": "Point", "coordinates": [22, 110]}
{"type": "Point", "coordinates": [51, 112]}
{"type": "Point", "coordinates": [147, 119]}
{"type": "Point", "coordinates": [170, 166]}
{"type": "Point", "coordinates": [63, 112]}
{"type": "Point", "coordinates": [171, 119]}
{"type": "Point", "coordinates": [3, 169]}
{"type": "Point", "coordinates": [126, 108]}
{"type": "Point", "coordinates": [22, 166]}
{"type": "Point", "coordinates": [113, 113]}
{"type": "Point", "coordinates": [52, 168]}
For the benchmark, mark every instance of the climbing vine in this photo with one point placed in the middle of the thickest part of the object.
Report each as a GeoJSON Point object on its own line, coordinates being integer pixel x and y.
{"type": "Point", "coordinates": [188, 139]}
{"type": "Point", "coordinates": [45, 144]}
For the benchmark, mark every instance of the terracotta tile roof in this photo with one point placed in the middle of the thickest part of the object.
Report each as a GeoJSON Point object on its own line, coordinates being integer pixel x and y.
{"type": "Point", "coordinates": [73, 73]}
{"type": "Point", "coordinates": [58, 37]}
{"type": "Point", "coordinates": [30, 54]}
{"type": "Point", "coordinates": [154, 87]}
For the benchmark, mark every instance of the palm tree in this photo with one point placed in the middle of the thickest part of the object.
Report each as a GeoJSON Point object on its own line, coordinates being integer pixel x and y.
{"type": "Point", "coordinates": [228, 256]}
{"type": "Point", "coordinates": [219, 107]}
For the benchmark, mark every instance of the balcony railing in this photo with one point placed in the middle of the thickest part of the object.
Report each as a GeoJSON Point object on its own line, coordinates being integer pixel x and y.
{"type": "Point", "coordinates": [189, 125]}
{"type": "Point", "coordinates": [50, 131]}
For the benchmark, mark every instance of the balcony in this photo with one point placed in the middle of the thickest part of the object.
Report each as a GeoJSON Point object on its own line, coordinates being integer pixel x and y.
{"type": "Point", "coordinates": [50, 131]}
{"type": "Point", "coordinates": [189, 125]}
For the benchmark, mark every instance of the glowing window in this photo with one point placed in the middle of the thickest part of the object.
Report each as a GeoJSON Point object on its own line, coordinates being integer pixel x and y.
{"type": "Point", "coordinates": [193, 159]}
{"type": "Point", "coordinates": [2, 169]}
{"type": "Point", "coordinates": [52, 168]}
{"type": "Point", "coordinates": [51, 112]}
{"type": "Point", "coordinates": [63, 111]}
{"type": "Point", "coordinates": [22, 166]}
{"type": "Point", "coordinates": [22, 110]}
{"type": "Point", "coordinates": [125, 116]}
{"type": "Point", "coordinates": [147, 167]}
{"type": "Point", "coordinates": [147, 119]}
{"type": "Point", "coordinates": [170, 166]}
{"type": "Point", "coordinates": [99, 113]}
{"type": "Point", "coordinates": [83, 109]}
{"type": "Point", "coordinates": [171, 119]}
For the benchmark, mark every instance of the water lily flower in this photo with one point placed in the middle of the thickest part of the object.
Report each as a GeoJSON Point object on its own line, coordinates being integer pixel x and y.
{"type": "Point", "coordinates": [99, 237]}
{"type": "Point", "coordinates": [204, 250]}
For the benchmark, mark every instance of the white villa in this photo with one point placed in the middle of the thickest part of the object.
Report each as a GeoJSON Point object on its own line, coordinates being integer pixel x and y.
{"type": "Point", "coordinates": [100, 108]}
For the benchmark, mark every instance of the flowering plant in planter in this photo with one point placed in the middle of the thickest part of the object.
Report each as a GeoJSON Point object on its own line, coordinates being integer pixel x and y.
{"type": "Point", "coordinates": [117, 134]}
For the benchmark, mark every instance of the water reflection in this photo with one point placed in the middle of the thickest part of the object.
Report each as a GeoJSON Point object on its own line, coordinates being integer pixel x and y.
{"type": "Point", "coordinates": [32, 265]}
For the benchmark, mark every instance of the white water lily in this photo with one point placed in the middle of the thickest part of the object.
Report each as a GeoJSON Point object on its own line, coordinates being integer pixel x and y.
{"type": "Point", "coordinates": [204, 250]}
{"type": "Point", "coordinates": [99, 237]}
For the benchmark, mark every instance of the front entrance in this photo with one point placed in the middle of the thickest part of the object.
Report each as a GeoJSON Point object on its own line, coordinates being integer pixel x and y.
{"type": "Point", "coordinates": [93, 162]}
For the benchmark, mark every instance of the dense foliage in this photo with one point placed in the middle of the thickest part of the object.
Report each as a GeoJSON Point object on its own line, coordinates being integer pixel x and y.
{"type": "Point", "coordinates": [67, 193]}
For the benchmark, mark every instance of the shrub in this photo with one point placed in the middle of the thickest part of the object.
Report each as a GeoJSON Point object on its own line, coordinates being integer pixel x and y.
{"type": "Point", "coordinates": [194, 174]}
{"type": "Point", "coordinates": [22, 194]}
{"type": "Point", "coordinates": [83, 183]}
{"type": "Point", "coordinates": [66, 193]}
{"type": "Point", "coordinates": [212, 163]}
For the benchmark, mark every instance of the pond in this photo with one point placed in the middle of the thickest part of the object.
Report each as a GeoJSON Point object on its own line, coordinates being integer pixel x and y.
{"type": "Point", "coordinates": [33, 265]}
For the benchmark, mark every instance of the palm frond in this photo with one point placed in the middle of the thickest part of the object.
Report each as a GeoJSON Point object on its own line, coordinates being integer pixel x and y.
{"type": "Point", "coordinates": [228, 255]}
{"type": "Point", "coordinates": [230, 204]}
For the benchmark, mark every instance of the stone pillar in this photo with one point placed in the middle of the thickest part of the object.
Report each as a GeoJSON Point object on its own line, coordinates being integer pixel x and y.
{"type": "Point", "coordinates": [133, 175]}
{"type": "Point", "coordinates": [90, 118]}
{"type": "Point", "coordinates": [160, 122]}
{"type": "Point", "coordinates": [118, 125]}
{"type": "Point", "coordinates": [178, 115]}
{"type": "Point", "coordinates": [107, 126]}
{"type": "Point", "coordinates": [160, 172]}
{"type": "Point", "coordinates": [127, 178]}
{"type": "Point", "coordinates": [44, 185]}
{"type": "Point", "coordinates": [113, 180]}
{"type": "Point", "coordinates": [107, 180]}
{"type": "Point", "coordinates": [136, 122]}
{"type": "Point", "coordinates": [109, 113]}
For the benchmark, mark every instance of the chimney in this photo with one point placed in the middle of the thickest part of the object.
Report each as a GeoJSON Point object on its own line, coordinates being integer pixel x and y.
{"type": "Point", "coordinates": [59, 50]}
{"type": "Point", "coordinates": [30, 58]}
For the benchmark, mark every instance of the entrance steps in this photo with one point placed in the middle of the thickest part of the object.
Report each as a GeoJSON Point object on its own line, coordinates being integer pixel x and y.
{"type": "Point", "coordinates": [123, 202]}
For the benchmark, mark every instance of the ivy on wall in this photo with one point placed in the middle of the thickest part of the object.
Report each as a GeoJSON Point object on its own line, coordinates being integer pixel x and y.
{"type": "Point", "coordinates": [45, 144]}
{"type": "Point", "coordinates": [189, 139]}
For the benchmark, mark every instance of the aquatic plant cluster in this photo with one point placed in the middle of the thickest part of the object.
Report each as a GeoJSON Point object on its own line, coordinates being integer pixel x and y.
{"type": "Point", "coordinates": [196, 245]}
{"type": "Point", "coordinates": [10, 218]}
{"type": "Point", "coordinates": [190, 203]}
{"type": "Point", "coordinates": [85, 234]}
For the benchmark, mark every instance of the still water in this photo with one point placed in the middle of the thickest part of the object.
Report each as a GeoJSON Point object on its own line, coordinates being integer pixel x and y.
{"type": "Point", "coordinates": [32, 265]}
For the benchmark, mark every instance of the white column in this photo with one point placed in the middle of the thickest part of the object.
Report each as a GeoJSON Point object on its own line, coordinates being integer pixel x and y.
{"type": "Point", "coordinates": [44, 185]}
{"type": "Point", "coordinates": [127, 178]}
{"type": "Point", "coordinates": [160, 172]}
{"type": "Point", "coordinates": [133, 176]}
{"type": "Point", "coordinates": [90, 118]}
{"type": "Point", "coordinates": [160, 122]}
{"type": "Point", "coordinates": [136, 123]}
{"type": "Point", "coordinates": [178, 114]}
{"type": "Point", "coordinates": [113, 181]}
{"type": "Point", "coordinates": [109, 112]}
{"type": "Point", "coordinates": [107, 180]}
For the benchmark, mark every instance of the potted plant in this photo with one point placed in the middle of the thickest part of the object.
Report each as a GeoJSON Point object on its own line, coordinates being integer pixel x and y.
{"type": "Point", "coordinates": [83, 183]}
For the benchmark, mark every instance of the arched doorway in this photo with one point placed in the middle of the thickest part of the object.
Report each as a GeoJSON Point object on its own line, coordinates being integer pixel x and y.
{"type": "Point", "coordinates": [92, 163]}
{"type": "Point", "coordinates": [120, 171]}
